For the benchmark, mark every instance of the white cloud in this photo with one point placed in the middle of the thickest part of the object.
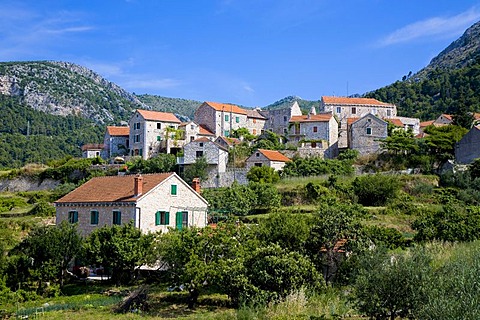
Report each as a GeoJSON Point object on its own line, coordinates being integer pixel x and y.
{"type": "Point", "coordinates": [150, 84]}
{"type": "Point", "coordinates": [434, 27]}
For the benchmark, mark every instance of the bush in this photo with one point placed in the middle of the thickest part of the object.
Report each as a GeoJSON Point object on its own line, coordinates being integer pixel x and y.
{"type": "Point", "coordinates": [376, 190]}
{"type": "Point", "coordinates": [263, 174]}
{"type": "Point", "coordinates": [43, 209]}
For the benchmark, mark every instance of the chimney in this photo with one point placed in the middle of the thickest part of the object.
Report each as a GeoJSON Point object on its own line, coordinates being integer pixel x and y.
{"type": "Point", "coordinates": [138, 185]}
{"type": "Point", "coordinates": [196, 184]}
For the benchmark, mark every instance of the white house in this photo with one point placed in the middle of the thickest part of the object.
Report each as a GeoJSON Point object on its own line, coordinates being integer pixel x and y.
{"type": "Point", "coordinates": [270, 158]}
{"type": "Point", "coordinates": [154, 202]}
{"type": "Point", "coordinates": [152, 132]}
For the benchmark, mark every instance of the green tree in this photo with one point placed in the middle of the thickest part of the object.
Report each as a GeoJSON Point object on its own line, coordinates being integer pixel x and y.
{"type": "Point", "coordinates": [393, 285]}
{"type": "Point", "coordinates": [197, 170]}
{"type": "Point", "coordinates": [263, 174]}
{"type": "Point", "coordinates": [119, 249]}
{"type": "Point", "coordinates": [265, 196]}
{"type": "Point", "coordinates": [49, 250]}
{"type": "Point", "coordinates": [242, 133]}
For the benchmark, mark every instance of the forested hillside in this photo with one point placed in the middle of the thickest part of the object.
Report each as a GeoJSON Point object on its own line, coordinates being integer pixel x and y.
{"type": "Point", "coordinates": [182, 107]}
{"type": "Point", "coordinates": [28, 135]}
{"type": "Point", "coordinates": [450, 81]}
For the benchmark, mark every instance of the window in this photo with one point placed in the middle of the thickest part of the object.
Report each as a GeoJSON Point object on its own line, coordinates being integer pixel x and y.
{"type": "Point", "coordinates": [173, 189]}
{"type": "Point", "coordinates": [315, 129]}
{"type": "Point", "coordinates": [369, 130]}
{"type": "Point", "coordinates": [201, 144]}
{"type": "Point", "coordinates": [226, 133]}
{"type": "Point", "coordinates": [313, 144]}
{"type": "Point", "coordinates": [136, 138]}
{"type": "Point", "coordinates": [237, 119]}
{"type": "Point", "coordinates": [285, 130]}
{"type": "Point", "coordinates": [73, 216]}
{"type": "Point", "coordinates": [389, 113]}
{"type": "Point", "coordinates": [254, 131]}
{"type": "Point", "coordinates": [162, 218]}
{"type": "Point", "coordinates": [192, 138]}
{"type": "Point", "coordinates": [117, 217]}
{"type": "Point", "coordinates": [181, 220]}
{"type": "Point", "coordinates": [94, 217]}
{"type": "Point", "coordinates": [198, 154]}
{"type": "Point", "coordinates": [192, 127]}
{"type": "Point", "coordinates": [257, 154]}
{"type": "Point", "coordinates": [354, 110]}
{"type": "Point", "coordinates": [159, 138]}
{"type": "Point", "coordinates": [254, 120]}
{"type": "Point", "coordinates": [285, 119]}
{"type": "Point", "coordinates": [258, 164]}
{"type": "Point", "coordinates": [339, 109]}
{"type": "Point", "coordinates": [136, 126]}
{"type": "Point", "coordinates": [227, 117]}
{"type": "Point", "coordinates": [159, 125]}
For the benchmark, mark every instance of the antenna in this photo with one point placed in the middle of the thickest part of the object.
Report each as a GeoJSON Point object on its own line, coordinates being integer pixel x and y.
{"type": "Point", "coordinates": [347, 88]}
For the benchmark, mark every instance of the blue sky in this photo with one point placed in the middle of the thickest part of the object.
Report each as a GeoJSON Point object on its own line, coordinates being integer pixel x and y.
{"type": "Point", "coordinates": [247, 52]}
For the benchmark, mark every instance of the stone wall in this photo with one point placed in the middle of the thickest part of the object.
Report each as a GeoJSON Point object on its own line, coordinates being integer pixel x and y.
{"type": "Point", "coordinates": [27, 184]}
{"type": "Point", "coordinates": [225, 179]}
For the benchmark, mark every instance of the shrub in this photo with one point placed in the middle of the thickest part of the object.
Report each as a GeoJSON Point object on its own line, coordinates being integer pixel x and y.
{"type": "Point", "coordinates": [263, 174]}
{"type": "Point", "coordinates": [376, 190]}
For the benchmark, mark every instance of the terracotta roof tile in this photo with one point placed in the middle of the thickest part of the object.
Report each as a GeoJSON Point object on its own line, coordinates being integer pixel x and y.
{"type": "Point", "coordinates": [351, 120]}
{"type": "Point", "coordinates": [353, 101]}
{"type": "Point", "coordinates": [118, 131]}
{"type": "Point", "coordinates": [226, 107]}
{"type": "Point", "coordinates": [426, 123]}
{"type": "Point", "coordinates": [158, 116]}
{"type": "Point", "coordinates": [395, 122]}
{"type": "Point", "coordinates": [273, 155]}
{"type": "Point", "coordinates": [92, 146]}
{"type": "Point", "coordinates": [112, 188]}
{"type": "Point", "coordinates": [323, 117]}
{"type": "Point", "coordinates": [204, 131]}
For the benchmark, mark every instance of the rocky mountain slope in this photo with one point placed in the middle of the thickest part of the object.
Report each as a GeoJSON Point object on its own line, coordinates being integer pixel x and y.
{"type": "Point", "coordinates": [62, 88]}
{"type": "Point", "coordinates": [461, 53]}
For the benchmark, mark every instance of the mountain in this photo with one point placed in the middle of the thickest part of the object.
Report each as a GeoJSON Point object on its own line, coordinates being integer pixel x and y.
{"type": "Point", "coordinates": [183, 108]}
{"type": "Point", "coordinates": [62, 88]}
{"type": "Point", "coordinates": [449, 83]}
{"type": "Point", "coordinates": [305, 105]}
{"type": "Point", "coordinates": [461, 53]}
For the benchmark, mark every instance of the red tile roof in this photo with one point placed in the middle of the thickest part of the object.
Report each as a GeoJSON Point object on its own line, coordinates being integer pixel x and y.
{"type": "Point", "coordinates": [426, 123]}
{"type": "Point", "coordinates": [353, 101]}
{"type": "Point", "coordinates": [118, 131]}
{"type": "Point", "coordinates": [395, 122]}
{"type": "Point", "coordinates": [158, 116]}
{"type": "Point", "coordinates": [226, 107]}
{"type": "Point", "coordinates": [92, 146]}
{"type": "Point", "coordinates": [230, 141]}
{"type": "Point", "coordinates": [351, 120]}
{"type": "Point", "coordinates": [112, 189]}
{"type": "Point", "coordinates": [273, 155]}
{"type": "Point", "coordinates": [323, 117]}
{"type": "Point", "coordinates": [204, 131]}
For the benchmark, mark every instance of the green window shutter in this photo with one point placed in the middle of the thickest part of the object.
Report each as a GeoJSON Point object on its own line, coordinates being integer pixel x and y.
{"type": "Point", "coordinates": [167, 218]}
{"type": "Point", "coordinates": [237, 119]}
{"type": "Point", "coordinates": [179, 220]}
{"type": "Point", "coordinates": [157, 218]}
{"type": "Point", "coordinates": [226, 117]}
{"type": "Point", "coordinates": [159, 138]}
{"type": "Point", "coordinates": [93, 217]}
{"type": "Point", "coordinates": [173, 190]}
{"type": "Point", "coordinates": [117, 217]}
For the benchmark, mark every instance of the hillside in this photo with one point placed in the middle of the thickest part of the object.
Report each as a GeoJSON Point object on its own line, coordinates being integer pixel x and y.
{"type": "Point", "coordinates": [305, 105]}
{"type": "Point", "coordinates": [181, 107]}
{"type": "Point", "coordinates": [451, 81]}
{"type": "Point", "coordinates": [62, 88]}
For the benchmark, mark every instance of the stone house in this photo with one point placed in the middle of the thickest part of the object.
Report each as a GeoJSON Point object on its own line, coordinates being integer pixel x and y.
{"type": "Point", "coordinates": [255, 122]}
{"type": "Point", "coordinates": [227, 142]}
{"type": "Point", "coordinates": [278, 119]}
{"type": "Point", "coordinates": [313, 129]}
{"type": "Point", "coordinates": [222, 118]}
{"type": "Point", "coordinates": [192, 131]}
{"type": "Point", "coordinates": [116, 141]}
{"type": "Point", "coordinates": [152, 132]}
{"type": "Point", "coordinates": [366, 133]}
{"type": "Point", "coordinates": [215, 154]}
{"type": "Point", "coordinates": [154, 202]}
{"type": "Point", "coordinates": [443, 120]}
{"type": "Point", "coordinates": [270, 158]}
{"type": "Point", "coordinates": [92, 150]}
{"type": "Point", "coordinates": [344, 108]}
{"type": "Point", "coordinates": [468, 148]}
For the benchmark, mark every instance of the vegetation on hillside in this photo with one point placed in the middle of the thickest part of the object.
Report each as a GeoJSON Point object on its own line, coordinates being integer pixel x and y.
{"type": "Point", "coordinates": [184, 107]}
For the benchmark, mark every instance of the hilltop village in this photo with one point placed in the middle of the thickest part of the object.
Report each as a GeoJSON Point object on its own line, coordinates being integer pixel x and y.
{"type": "Point", "coordinates": [339, 124]}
